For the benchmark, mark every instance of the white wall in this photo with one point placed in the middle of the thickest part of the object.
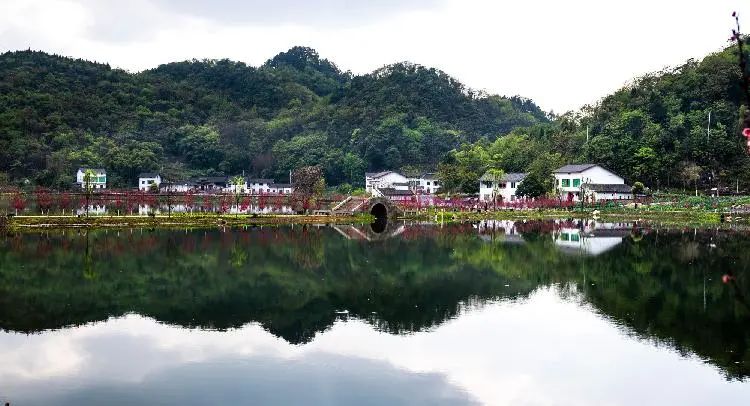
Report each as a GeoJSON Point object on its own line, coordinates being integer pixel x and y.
{"type": "Point", "coordinates": [612, 196]}
{"type": "Point", "coordinates": [384, 181]}
{"type": "Point", "coordinates": [94, 182]}
{"type": "Point", "coordinates": [595, 174]}
{"type": "Point", "coordinates": [145, 183]}
{"type": "Point", "coordinates": [508, 193]}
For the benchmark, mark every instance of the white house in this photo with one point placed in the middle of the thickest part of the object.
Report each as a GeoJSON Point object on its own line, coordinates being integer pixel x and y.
{"type": "Point", "coordinates": [97, 181]}
{"type": "Point", "coordinates": [258, 186]}
{"type": "Point", "coordinates": [385, 179]}
{"type": "Point", "coordinates": [426, 183]}
{"type": "Point", "coordinates": [145, 180]}
{"type": "Point", "coordinates": [596, 182]}
{"type": "Point", "coordinates": [281, 188]}
{"type": "Point", "coordinates": [182, 186]}
{"type": "Point", "coordinates": [503, 189]}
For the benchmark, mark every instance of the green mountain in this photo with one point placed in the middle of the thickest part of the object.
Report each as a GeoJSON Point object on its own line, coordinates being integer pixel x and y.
{"type": "Point", "coordinates": [655, 130]}
{"type": "Point", "coordinates": [220, 116]}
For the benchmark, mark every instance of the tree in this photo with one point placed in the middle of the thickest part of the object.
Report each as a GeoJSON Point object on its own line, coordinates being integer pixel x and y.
{"type": "Point", "coordinates": [638, 188]}
{"type": "Point", "coordinates": [691, 173]}
{"type": "Point", "coordinates": [88, 186]}
{"type": "Point", "coordinates": [532, 186]}
{"type": "Point", "coordinates": [495, 176]}
{"type": "Point", "coordinates": [237, 183]}
{"type": "Point", "coordinates": [308, 183]}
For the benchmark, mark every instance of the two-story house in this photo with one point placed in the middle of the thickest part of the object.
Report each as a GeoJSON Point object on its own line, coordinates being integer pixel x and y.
{"type": "Point", "coordinates": [385, 179]}
{"type": "Point", "coordinates": [147, 179]}
{"type": "Point", "coordinates": [426, 183]}
{"type": "Point", "coordinates": [574, 182]}
{"type": "Point", "coordinates": [96, 180]}
{"type": "Point", "coordinates": [502, 190]}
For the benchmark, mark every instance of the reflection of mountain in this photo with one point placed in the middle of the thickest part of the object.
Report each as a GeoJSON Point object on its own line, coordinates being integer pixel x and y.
{"type": "Point", "coordinates": [665, 286]}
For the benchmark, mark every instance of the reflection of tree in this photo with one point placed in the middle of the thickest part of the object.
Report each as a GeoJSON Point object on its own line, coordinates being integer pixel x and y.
{"type": "Point", "coordinates": [293, 281]}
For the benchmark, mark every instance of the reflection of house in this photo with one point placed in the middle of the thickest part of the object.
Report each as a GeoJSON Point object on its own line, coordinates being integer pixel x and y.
{"type": "Point", "coordinates": [385, 179]}
{"type": "Point", "coordinates": [595, 182]}
{"type": "Point", "coordinates": [97, 179]}
{"type": "Point", "coordinates": [505, 230]}
{"type": "Point", "coordinates": [145, 180]}
{"type": "Point", "coordinates": [503, 189]}
{"type": "Point", "coordinates": [426, 183]}
{"type": "Point", "coordinates": [590, 241]}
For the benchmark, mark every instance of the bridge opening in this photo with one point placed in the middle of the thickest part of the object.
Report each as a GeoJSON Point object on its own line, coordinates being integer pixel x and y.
{"type": "Point", "coordinates": [379, 211]}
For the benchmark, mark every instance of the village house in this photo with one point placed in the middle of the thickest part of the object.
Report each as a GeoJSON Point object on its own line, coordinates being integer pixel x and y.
{"type": "Point", "coordinates": [573, 182]}
{"type": "Point", "coordinates": [426, 183]}
{"type": "Point", "coordinates": [147, 179]}
{"type": "Point", "coordinates": [501, 190]}
{"type": "Point", "coordinates": [280, 188]}
{"type": "Point", "coordinates": [211, 183]}
{"type": "Point", "coordinates": [260, 186]}
{"type": "Point", "coordinates": [182, 186]}
{"type": "Point", "coordinates": [397, 195]}
{"type": "Point", "coordinates": [385, 179]}
{"type": "Point", "coordinates": [98, 179]}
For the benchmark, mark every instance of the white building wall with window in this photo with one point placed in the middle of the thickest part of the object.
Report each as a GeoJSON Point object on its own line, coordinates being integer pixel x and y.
{"type": "Point", "coordinates": [569, 178]}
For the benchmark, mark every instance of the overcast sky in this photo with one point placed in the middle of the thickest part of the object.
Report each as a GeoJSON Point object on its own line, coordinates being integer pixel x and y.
{"type": "Point", "coordinates": [562, 54]}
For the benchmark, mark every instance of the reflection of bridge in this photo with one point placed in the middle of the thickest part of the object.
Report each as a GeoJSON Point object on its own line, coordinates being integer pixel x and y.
{"type": "Point", "coordinates": [370, 232]}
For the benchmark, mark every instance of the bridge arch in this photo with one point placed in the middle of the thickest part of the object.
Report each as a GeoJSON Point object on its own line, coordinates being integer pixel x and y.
{"type": "Point", "coordinates": [383, 209]}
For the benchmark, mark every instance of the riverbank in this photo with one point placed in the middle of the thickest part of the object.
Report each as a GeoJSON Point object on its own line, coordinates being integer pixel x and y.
{"type": "Point", "coordinates": [202, 220]}
{"type": "Point", "coordinates": [175, 221]}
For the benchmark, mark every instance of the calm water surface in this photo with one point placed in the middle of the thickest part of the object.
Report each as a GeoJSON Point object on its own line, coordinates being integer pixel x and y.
{"type": "Point", "coordinates": [499, 313]}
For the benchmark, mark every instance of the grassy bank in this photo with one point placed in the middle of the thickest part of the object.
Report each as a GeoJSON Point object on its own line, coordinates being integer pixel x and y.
{"type": "Point", "coordinates": [176, 221]}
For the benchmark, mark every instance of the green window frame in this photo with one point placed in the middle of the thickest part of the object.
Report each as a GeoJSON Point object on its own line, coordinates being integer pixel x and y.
{"type": "Point", "coordinates": [566, 183]}
{"type": "Point", "coordinates": [576, 182]}
{"type": "Point", "coordinates": [575, 237]}
{"type": "Point", "coordinates": [565, 236]}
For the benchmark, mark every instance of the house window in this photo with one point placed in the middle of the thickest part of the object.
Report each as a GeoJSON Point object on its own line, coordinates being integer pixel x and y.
{"type": "Point", "coordinates": [102, 179]}
{"type": "Point", "coordinates": [575, 237]}
{"type": "Point", "coordinates": [576, 182]}
{"type": "Point", "coordinates": [502, 185]}
{"type": "Point", "coordinates": [566, 183]}
{"type": "Point", "coordinates": [512, 185]}
{"type": "Point", "coordinates": [428, 183]}
{"type": "Point", "coordinates": [565, 236]}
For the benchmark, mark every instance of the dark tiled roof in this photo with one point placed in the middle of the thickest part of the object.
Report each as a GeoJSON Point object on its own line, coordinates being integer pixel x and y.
{"type": "Point", "coordinates": [508, 177]}
{"type": "Point", "coordinates": [574, 168]}
{"type": "Point", "coordinates": [148, 175]}
{"type": "Point", "coordinates": [260, 181]}
{"type": "Point", "coordinates": [611, 188]}
{"type": "Point", "coordinates": [388, 191]}
{"type": "Point", "coordinates": [280, 185]}
{"type": "Point", "coordinates": [429, 175]}
{"type": "Point", "coordinates": [211, 179]}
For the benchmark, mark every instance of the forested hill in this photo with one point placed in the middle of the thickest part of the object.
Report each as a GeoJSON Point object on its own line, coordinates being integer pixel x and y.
{"type": "Point", "coordinates": [655, 130]}
{"type": "Point", "coordinates": [219, 116]}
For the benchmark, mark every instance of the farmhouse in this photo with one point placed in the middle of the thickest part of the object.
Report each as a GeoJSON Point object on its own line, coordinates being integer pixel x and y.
{"type": "Point", "coordinates": [280, 188]}
{"type": "Point", "coordinates": [182, 186]}
{"type": "Point", "coordinates": [573, 182]}
{"type": "Point", "coordinates": [146, 179]}
{"type": "Point", "coordinates": [258, 186]}
{"type": "Point", "coordinates": [426, 183]}
{"type": "Point", "coordinates": [503, 189]}
{"type": "Point", "coordinates": [385, 179]}
{"type": "Point", "coordinates": [97, 180]}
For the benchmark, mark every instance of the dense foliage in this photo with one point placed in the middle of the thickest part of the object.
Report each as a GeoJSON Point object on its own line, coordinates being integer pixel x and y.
{"type": "Point", "coordinates": [219, 116]}
{"type": "Point", "coordinates": [655, 130]}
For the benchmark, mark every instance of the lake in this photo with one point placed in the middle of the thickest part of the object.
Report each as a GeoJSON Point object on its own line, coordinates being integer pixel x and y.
{"type": "Point", "coordinates": [498, 312]}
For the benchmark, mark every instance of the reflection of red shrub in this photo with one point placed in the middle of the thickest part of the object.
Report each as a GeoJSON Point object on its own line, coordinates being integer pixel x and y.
{"type": "Point", "coordinates": [18, 202]}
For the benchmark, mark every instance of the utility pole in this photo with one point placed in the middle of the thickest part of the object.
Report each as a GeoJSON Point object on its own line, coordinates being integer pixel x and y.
{"type": "Point", "coordinates": [708, 129]}
{"type": "Point", "coordinates": [587, 134]}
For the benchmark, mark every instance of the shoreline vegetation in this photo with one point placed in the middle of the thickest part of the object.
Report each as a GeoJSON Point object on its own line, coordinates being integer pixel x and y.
{"type": "Point", "coordinates": [209, 220]}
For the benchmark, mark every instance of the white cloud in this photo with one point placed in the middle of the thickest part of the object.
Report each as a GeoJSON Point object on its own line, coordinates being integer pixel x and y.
{"type": "Point", "coordinates": [561, 54]}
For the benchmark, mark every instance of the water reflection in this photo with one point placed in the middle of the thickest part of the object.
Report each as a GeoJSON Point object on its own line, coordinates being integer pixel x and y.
{"type": "Point", "coordinates": [489, 312]}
